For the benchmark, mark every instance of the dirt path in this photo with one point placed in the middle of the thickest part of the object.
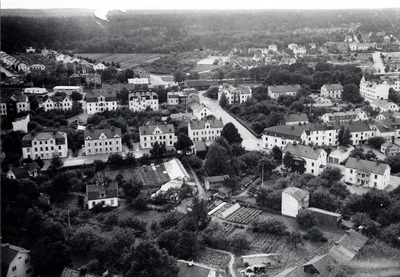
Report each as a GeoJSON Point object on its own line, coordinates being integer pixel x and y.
{"type": "Point", "coordinates": [231, 262]}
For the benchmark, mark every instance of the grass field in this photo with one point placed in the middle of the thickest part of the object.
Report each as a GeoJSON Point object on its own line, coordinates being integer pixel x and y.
{"type": "Point", "coordinates": [124, 59]}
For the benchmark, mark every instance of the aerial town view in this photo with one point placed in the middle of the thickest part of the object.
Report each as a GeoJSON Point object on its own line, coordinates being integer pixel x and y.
{"type": "Point", "coordinates": [172, 139]}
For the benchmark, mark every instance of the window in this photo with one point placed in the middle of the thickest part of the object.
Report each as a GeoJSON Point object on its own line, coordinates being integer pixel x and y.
{"type": "Point", "coordinates": [59, 147]}
{"type": "Point", "coordinates": [112, 201]}
{"type": "Point", "coordinates": [312, 164]}
{"type": "Point", "coordinates": [312, 170]}
{"type": "Point", "coordinates": [27, 261]}
{"type": "Point", "coordinates": [14, 268]}
{"type": "Point", "coordinates": [351, 171]}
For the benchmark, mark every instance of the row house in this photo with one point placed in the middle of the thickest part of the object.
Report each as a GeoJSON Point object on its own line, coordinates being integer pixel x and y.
{"type": "Point", "coordinates": [367, 173]}
{"type": "Point", "coordinates": [13, 105]}
{"type": "Point", "coordinates": [37, 67]}
{"type": "Point", "coordinates": [384, 105]}
{"type": "Point", "coordinates": [103, 141]}
{"type": "Point", "coordinates": [372, 90]}
{"type": "Point", "coordinates": [200, 111]}
{"type": "Point", "coordinates": [306, 159]}
{"type": "Point", "coordinates": [63, 103]}
{"type": "Point", "coordinates": [275, 91]}
{"type": "Point", "coordinates": [295, 119]}
{"type": "Point", "coordinates": [100, 100]}
{"type": "Point", "coordinates": [163, 134]}
{"type": "Point", "coordinates": [139, 84]}
{"type": "Point", "coordinates": [394, 84]}
{"type": "Point", "coordinates": [332, 91]}
{"type": "Point", "coordinates": [346, 116]}
{"type": "Point", "coordinates": [235, 94]}
{"type": "Point", "coordinates": [205, 130]}
{"type": "Point", "coordinates": [140, 100]}
{"type": "Point", "coordinates": [176, 98]}
{"type": "Point", "coordinates": [300, 50]}
{"type": "Point", "coordinates": [44, 145]}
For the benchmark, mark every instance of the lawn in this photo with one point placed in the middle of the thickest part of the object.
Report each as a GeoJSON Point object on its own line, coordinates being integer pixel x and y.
{"type": "Point", "coordinates": [125, 60]}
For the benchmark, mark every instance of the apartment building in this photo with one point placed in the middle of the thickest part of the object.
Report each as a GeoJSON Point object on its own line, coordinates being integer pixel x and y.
{"type": "Point", "coordinates": [100, 100]}
{"type": "Point", "coordinates": [205, 130]}
{"type": "Point", "coordinates": [103, 141]}
{"type": "Point", "coordinates": [44, 145]}
{"type": "Point", "coordinates": [163, 133]}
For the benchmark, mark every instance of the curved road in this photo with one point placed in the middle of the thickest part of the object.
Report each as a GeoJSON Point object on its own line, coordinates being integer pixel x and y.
{"type": "Point", "coordinates": [250, 142]}
{"type": "Point", "coordinates": [231, 262]}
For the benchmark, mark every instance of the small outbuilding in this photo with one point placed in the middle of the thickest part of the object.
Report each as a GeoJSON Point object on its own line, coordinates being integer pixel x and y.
{"type": "Point", "coordinates": [326, 218]}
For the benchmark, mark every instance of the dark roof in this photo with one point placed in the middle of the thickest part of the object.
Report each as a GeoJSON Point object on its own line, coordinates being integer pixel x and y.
{"type": "Point", "coordinates": [140, 94]}
{"type": "Point", "coordinates": [295, 117]}
{"type": "Point", "coordinates": [191, 271]}
{"type": "Point", "coordinates": [15, 97]}
{"type": "Point", "coordinates": [44, 136]}
{"type": "Point", "coordinates": [58, 98]}
{"type": "Point", "coordinates": [19, 172]}
{"type": "Point", "coordinates": [110, 191]}
{"type": "Point", "coordinates": [298, 194]}
{"type": "Point", "coordinates": [348, 245]}
{"type": "Point", "coordinates": [367, 166]}
{"type": "Point", "coordinates": [283, 89]}
{"type": "Point", "coordinates": [165, 128]}
{"type": "Point", "coordinates": [95, 134]}
{"type": "Point", "coordinates": [200, 83]}
{"type": "Point", "coordinates": [358, 126]}
{"type": "Point", "coordinates": [330, 87]}
{"type": "Point", "coordinates": [384, 126]}
{"type": "Point", "coordinates": [303, 151]}
{"type": "Point", "coordinates": [8, 253]}
{"type": "Point", "coordinates": [201, 124]}
{"type": "Point", "coordinates": [217, 179]}
{"type": "Point", "coordinates": [200, 146]}
{"type": "Point", "coordinates": [292, 132]}
{"type": "Point", "coordinates": [320, 263]}
{"type": "Point", "coordinates": [110, 95]}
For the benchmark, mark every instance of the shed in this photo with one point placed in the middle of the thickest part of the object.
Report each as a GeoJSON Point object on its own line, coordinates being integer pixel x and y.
{"type": "Point", "coordinates": [340, 154]}
{"type": "Point", "coordinates": [326, 218]}
{"type": "Point", "coordinates": [225, 192]}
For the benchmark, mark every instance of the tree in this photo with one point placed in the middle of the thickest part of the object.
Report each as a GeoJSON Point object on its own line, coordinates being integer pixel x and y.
{"type": "Point", "coordinates": [199, 212]}
{"type": "Point", "coordinates": [184, 143]}
{"type": "Point", "coordinates": [188, 245]}
{"type": "Point", "coordinates": [323, 199]}
{"type": "Point", "coordinates": [216, 161]}
{"type": "Point", "coordinates": [315, 234]}
{"type": "Point", "coordinates": [149, 261]}
{"type": "Point", "coordinates": [394, 162]}
{"type": "Point", "coordinates": [358, 153]}
{"type": "Point", "coordinates": [223, 101]}
{"type": "Point", "coordinates": [351, 93]}
{"type": "Point", "coordinates": [115, 159]}
{"type": "Point", "coordinates": [232, 182]}
{"type": "Point", "coordinates": [294, 238]}
{"type": "Point", "coordinates": [158, 151]}
{"type": "Point", "coordinates": [306, 219]}
{"type": "Point", "coordinates": [76, 96]}
{"type": "Point", "coordinates": [277, 154]}
{"type": "Point", "coordinates": [231, 133]}
{"type": "Point", "coordinates": [39, 161]}
{"type": "Point", "coordinates": [266, 165]}
{"type": "Point", "coordinates": [56, 160]}
{"type": "Point", "coordinates": [179, 76]}
{"type": "Point", "coordinates": [168, 240]}
{"type": "Point", "coordinates": [131, 190]}
{"type": "Point", "coordinates": [270, 226]}
{"type": "Point", "coordinates": [288, 160]}
{"type": "Point", "coordinates": [332, 174]}
{"type": "Point", "coordinates": [369, 226]}
{"type": "Point", "coordinates": [239, 242]}
{"type": "Point", "coordinates": [376, 142]}
{"type": "Point", "coordinates": [344, 135]}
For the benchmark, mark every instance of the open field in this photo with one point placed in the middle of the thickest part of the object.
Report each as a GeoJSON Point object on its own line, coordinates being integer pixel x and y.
{"type": "Point", "coordinates": [124, 59]}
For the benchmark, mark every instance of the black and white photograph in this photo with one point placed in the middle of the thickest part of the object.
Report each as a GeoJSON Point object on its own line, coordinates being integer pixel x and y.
{"type": "Point", "coordinates": [200, 138]}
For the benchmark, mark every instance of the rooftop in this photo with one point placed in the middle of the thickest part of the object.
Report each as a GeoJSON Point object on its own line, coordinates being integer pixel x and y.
{"type": "Point", "coordinates": [284, 88]}
{"type": "Point", "coordinates": [348, 245]}
{"type": "Point", "coordinates": [201, 124]}
{"type": "Point", "coordinates": [164, 128]}
{"type": "Point", "coordinates": [95, 134]}
{"type": "Point", "coordinates": [303, 151]}
{"type": "Point", "coordinates": [294, 117]}
{"type": "Point", "coordinates": [330, 87]}
{"type": "Point", "coordinates": [297, 193]}
{"type": "Point", "coordinates": [366, 166]}
{"type": "Point", "coordinates": [95, 192]}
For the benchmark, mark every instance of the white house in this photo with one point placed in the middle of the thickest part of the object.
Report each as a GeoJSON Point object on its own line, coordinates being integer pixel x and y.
{"type": "Point", "coordinates": [360, 131]}
{"type": "Point", "coordinates": [306, 158]}
{"type": "Point", "coordinates": [102, 141]}
{"type": "Point", "coordinates": [384, 128]}
{"type": "Point", "coordinates": [44, 144]}
{"type": "Point", "coordinates": [21, 124]}
{"type": "Point", "coordinates": [140, 100]}
{"type": "Point", "coordinates": [394, 84]}
{"type": "Point", "coordinates": [235, 94]}
{"type": "Point", "coordinates": [295, 119]}
{"type": "Point", "coordinates": [99, 66]}
{"type": "Point", "coordinates": [340, 117]}
{"type": "Point", "coordinates": [340, 154]}
{"type": "Point", "coordinates": [37, 91]}
{"type": "Point", "coordinates": [275, 91]}
{"type": "Point", "coordinates": [372, 90]}
{"type": "Point", "coordinates": [30, 50]}
{"type": "Point", "coordinates": [282, 135]}
{"type": "Point", "coordinates": [273, 47]}
{"type": "Point", "coordinates": [22, 67]}
{"type": "Point", "coordinates": [39, 67]}
{"type": "Point", "coordinates": [63, 103]}
{"type": "Point", "coordinates": [390, 149]}
{"type": "Point", "coordinates": [384, 105]}
{"type": "Point", "coordinates": [68, 89]}
{"type": "Point", "coordinates": [15, 104]}
{"type": "Point", "coordinates": [294, 200]}
{"type": "Point", "coordinates": [100, 100]}
{"type": "Point", "coordinates": [60, 57]}
{"type": "Point", "coordinates": [367, 173]}
{"type": "Point", "coordinates": [31, 170]}
{"type": "Point", "coordinates": [206, 130]}
{"type": "Point", "coordinates": [164, 133]}
{"type": "Point", "coordinates": [199, 110]}
{"type": "Point", "coordinates": [299, 50]}
{"type": "Point", "coordinates": [15, 261]}
{"type": "Point", "coordinates": [332, 91]}
{"type": "Point", "coordinates": [292, 46]}
{"type": "Point", "coordinates": [103, 194]}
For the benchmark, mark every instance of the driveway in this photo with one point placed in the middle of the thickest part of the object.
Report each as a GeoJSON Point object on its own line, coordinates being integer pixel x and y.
{"type": "Point", "coordinates": [250, 142]}
{"type": "Point", "coordinates": [380, 67]}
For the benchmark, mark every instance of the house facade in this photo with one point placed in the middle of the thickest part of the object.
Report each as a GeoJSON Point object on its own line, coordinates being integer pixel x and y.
{"type": "Point", "coordinates": [164, 133]}
{"type": "Point", "coordinates": [294, 200]}
{"type": "Point", "coordinates": [346, 116]}
{"type": "Point", "coordinates": [360, 132]}
{"type": "Point", "coordinates": [373, 91]}
{"type": "Point", "coordinates": [15, 261]}
{"type": "Point", "coordinates": [100, 100]}
{"type": "Point", "coordinates": [99, 66]}
{"type": "Point", "coordinates": [367, 173]}
{"type": "Point", "coordinates": [384, 105]}
{"type": "Point", "coordinates": [44, 144]}
{"type": "Point", "coordinates": [275, 91]}
{"type": "Point", "coordinates": [103, 141]}
{"type": "Point", "coordinates": [103, 194]}
{"type": "Point", "coordinates": [235, 94]}
{"type": "Point", "coordinates": [21, 124]}
{"type": "Point", "coordinates": [63, 103]}
{"type": "Point", "coordinates": [68, 89]}
{"type": "Point", "coordinates": [306, 159]}
{"type": "Point", "coordinates": [15, 104]}
{"type": "Point", "coordinates": [37, 67]}
{"type": "Point", "coordinates": [139, 84]}
{"type": "Point", "coordinates": [200, 111]}
{"type": "Point", "coordinates": [205, 130]}
{"type": "Point", "coordinates": [140, 100]}
{"type": "Point", "coordinates": [332, 91]}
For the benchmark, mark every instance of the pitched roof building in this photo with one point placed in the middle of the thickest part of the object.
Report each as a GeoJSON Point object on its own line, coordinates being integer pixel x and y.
{"type": "Point", "coordinates": [295, 118]}
{"type": "Point", "coordinates": [206, 130]}
{"type": "Point", "coordinates": [15, 261]}
{"type": "Point", "coordinates": [294, 200]}
{"type": "Point", "coordinates": [163, 133]}
{"type": "Point", "coordinates": [306, 158]}
{"type": "Point", "coordinates": [103, 194]}
{"type": "Point", "coordinates": [100, 100]}
{"type": "Point", "coordinates": [44, 145]}
{"type": "Point", "coordinates": [275, 91]}
{"type": "Point", "coordinates": [103, 141]}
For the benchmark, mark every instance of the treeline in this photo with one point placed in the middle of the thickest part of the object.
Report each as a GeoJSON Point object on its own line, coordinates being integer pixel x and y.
{"type": "Point", "coordinates": [173, 32]}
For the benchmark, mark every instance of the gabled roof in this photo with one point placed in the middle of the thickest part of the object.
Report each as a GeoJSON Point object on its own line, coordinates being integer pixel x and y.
{"type": "Point", "coordinates": [330, 87]}
{"type": "Point", "coordinates": [348, 245]}
{"type": "Point", "coordinates": [358, 126]}
{"type": "Point", "coordinates": [94, 191]}
{"type": "Point", "coordinates": [194, 270]}
{"type": "Point", "coordinates": [297, 193]}
{"type": "Point", "coordinates": [294, 117]}
{"type": "Point", "coordinates": [44, 136]}
{"type": "Point", "coordinates": [292, 132]}
{"type": "Point", "coordinates": [201, 124]}
{"type": "Point", "coordinates": [109, 133]}
{"type": "Point", "coordinates": [196, 107]}
{"type": "Point", "coordinates": [109, 95]}
{"type": "Point", "coordinates": [165, 128]}
{"type": "Point", "coordinates": [217, 179]}
{"type": "Point", "coordinates": [283, 89]}
{"type": "Point", "coordinates": [320, 263]}
{"type": "Point", "coordinates": [19, 172]}
{"type": "Point", "coordinates": [8, 253]}
{"type": "Point", "coordinates": [59, 98]}
{"type": "Point", "coordinates": [303, 151]}
{"type": "Point", "coordinates": [367, 166]}
{"type": "Point", "coordinates": [384, 126]}
{"type": "Point", "coordinates": [383, 103]}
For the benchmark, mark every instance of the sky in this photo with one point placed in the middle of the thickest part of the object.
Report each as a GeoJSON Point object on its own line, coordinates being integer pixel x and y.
{"type": "Point", "coordinates": [202, 4]}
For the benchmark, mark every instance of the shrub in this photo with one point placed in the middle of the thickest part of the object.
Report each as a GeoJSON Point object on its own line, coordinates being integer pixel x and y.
{"type": "Point", "coordinates": [307, 219]}
{"type": "Point", "coordinates": [315, 234]}
{"type": "Point", "coordinates": [270, 226]}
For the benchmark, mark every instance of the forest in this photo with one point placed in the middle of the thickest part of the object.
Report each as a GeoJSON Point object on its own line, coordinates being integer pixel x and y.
{"type": "Point", "coordinates": [185, 31]}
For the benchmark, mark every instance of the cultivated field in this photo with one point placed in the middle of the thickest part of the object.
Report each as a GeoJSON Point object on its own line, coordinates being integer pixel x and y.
{"type": "Point", "coordinates": [125, 60]}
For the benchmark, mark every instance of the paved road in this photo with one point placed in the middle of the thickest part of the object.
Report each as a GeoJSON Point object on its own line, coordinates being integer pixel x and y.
{"type": "Point", "coordinates": [250, 142]}
{"type": "Point", "coordinates": [380, 67]}
{"type": "Point", "coordinates": [201, 194]}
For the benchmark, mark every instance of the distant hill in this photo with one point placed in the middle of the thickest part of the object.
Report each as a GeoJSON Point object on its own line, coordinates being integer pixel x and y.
{"type": "Point", "coordinates": [46, 12]}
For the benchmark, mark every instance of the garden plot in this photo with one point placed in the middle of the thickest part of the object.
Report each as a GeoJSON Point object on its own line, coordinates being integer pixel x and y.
{"type": "Point", "coordinates": [222, 209]}
{"type": "Point", "coordinates": [244, 215]}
